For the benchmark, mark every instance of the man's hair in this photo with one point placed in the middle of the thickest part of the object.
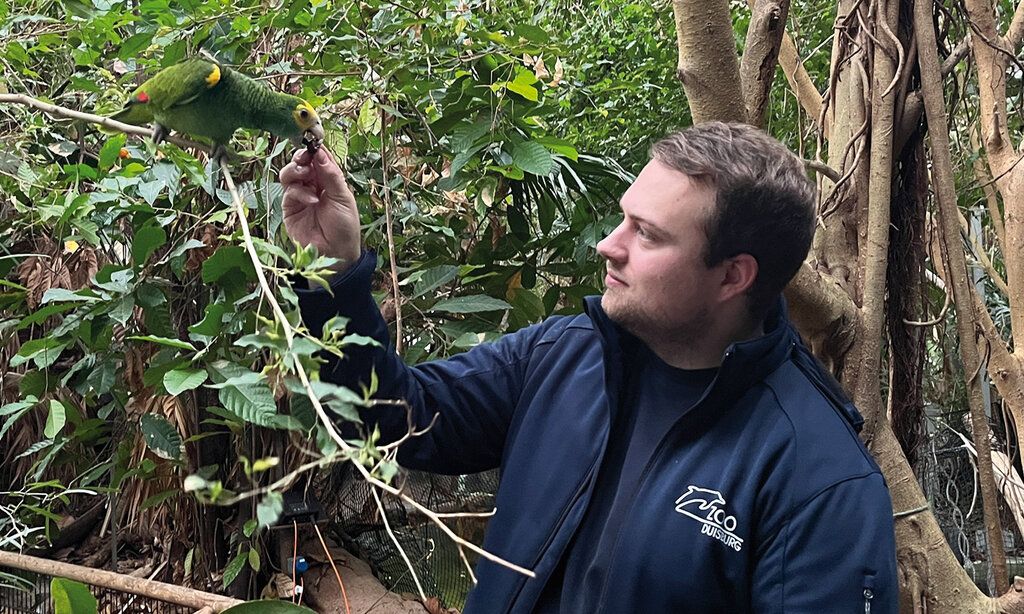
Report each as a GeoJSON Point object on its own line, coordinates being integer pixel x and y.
{"type": "Point", "coordinates": [764, 202]}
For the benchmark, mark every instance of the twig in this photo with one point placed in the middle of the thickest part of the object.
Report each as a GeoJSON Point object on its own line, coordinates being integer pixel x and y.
{"type": "Point", "coordinates": [337, 574]}
{"type": "Point", "coordinates": [469, 568]}
{"type": "Point", "coordinates": [386, 196]}
{"type": "Point", "coordinates": [106, 122]}
{"type": "Point", "coordinates": [394, 538]}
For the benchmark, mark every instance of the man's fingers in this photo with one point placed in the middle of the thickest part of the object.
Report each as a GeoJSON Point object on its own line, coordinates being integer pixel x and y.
{"type": "Point", "coordinates": [330, 176]}
{"type": "Point", "coordinates": [294, 173]}
{"type": "Point", "coordinates": [302, 157]}
{"type": "Point", "coordinates": [299, 198]}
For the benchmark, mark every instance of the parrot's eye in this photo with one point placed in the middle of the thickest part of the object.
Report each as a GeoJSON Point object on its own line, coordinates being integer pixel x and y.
{"type": "Point", "coordinates": [304, 114]}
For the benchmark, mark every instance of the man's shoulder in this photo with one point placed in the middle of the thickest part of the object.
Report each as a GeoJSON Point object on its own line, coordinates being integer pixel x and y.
{"type": "Point", "coordinates": [818, 429]}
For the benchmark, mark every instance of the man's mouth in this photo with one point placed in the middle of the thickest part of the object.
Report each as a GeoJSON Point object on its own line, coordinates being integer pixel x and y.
{"type": "Point", "coordinates": [612, 281]}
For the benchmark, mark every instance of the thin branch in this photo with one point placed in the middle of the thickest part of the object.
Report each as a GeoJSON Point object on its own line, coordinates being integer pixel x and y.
{"type": "Point", "coordinates": [315, 400]}
{"type": "Point", "coordinates": [469, 568]}
{"type": "Point", "coordinates": [389, 223]}
{"type": "Point", "coordinates": [401, 550]}
{"type": "Point", "coordinates": [981, 257]}
{"type": "Point", "coordinates": [959, 53]}
{"type": "Point", "coordinates": [942, 312]}
{"type": "Point", "coordinates": [106, 122]}
{"type": "Point", "coordinates": [1015, 33]}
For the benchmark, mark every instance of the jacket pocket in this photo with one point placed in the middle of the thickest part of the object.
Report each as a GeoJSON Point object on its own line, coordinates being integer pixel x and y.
{"type": "Point", "coordinates": [869, 592]}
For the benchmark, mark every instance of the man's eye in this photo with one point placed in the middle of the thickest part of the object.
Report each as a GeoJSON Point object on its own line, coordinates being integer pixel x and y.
{"type": "Point", "coordinates": [642, 233]}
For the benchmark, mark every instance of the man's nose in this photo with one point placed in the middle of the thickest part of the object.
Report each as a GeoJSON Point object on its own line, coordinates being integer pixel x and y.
{"type": "Point", "coordinates": [611, 247]}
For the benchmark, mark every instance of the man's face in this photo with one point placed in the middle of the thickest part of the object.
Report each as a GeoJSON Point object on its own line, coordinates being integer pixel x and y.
{"type": "Point", "coordinates": [657, 284]}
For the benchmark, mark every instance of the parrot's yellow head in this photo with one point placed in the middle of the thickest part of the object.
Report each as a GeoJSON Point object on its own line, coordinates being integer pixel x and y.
{"type": "Point", "coordinates": [307, 119]}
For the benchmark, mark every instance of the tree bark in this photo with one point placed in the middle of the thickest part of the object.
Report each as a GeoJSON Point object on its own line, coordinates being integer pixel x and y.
{"type": "Point", "coordinates": [960, 286]}
{"type": "Point", "coordinates": [760, 56]}
{"type": "Point", "coordinates": [708, 67]}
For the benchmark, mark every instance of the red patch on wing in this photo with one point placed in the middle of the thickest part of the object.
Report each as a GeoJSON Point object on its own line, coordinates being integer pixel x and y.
{"type": "Point", "coordinates": [143, 97]}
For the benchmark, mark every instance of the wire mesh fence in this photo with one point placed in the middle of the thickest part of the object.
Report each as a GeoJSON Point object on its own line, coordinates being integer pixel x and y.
{"type": "Point", "coordinates": [947, 472]}
{"type": "Point", "coordinates": [437, 561]}
{"type": "Point", "coordinates": [26, 592]}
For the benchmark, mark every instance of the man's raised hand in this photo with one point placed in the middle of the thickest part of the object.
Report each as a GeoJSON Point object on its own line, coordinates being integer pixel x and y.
{"type": "Point", "coordinates": [319, 207]}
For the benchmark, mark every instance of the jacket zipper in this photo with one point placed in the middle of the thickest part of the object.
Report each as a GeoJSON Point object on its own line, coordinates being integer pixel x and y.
{"type": "Point", "coordinates": [869, 592]}
{"type": "Point", "coordinates": [551, 536]}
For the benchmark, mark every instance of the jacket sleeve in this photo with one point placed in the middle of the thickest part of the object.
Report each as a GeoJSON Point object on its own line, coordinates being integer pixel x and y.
{"type": "Point", "coordinates": [473, 394]}
{"type": "Point", "coordinates": [836, 553]}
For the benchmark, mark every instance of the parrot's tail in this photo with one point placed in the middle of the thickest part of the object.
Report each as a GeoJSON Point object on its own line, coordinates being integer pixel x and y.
{"type": "Point", "coordinates": [134, 113]}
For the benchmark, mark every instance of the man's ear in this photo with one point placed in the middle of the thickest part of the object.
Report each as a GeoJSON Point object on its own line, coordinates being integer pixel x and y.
{"type": "Point", "coordinates": [739, 274]}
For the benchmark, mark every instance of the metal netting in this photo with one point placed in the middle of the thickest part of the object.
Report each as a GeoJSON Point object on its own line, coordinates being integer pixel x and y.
{"type": "Point", "coordinates": [26, 592]}
{"type": "Point", "coordinates": [948, 475]}
{"type": "Point", "coordinates": [436, 559]}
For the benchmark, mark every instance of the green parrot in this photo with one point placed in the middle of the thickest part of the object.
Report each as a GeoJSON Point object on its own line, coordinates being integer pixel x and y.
{"type": "Point", "coordinates": [206, 99]}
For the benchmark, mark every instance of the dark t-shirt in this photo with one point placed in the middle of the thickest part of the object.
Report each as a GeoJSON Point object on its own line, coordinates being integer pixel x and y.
{"type": "Point", "coordinates": [654, 396]}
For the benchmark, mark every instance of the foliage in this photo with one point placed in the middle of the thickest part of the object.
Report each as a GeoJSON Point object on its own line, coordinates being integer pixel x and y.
{"type": "Point", "coordinates": [138, 355]}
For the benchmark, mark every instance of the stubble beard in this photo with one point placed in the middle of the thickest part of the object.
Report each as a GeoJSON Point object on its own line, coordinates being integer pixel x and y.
{"type": "Point", "coordinates": [654, 329]}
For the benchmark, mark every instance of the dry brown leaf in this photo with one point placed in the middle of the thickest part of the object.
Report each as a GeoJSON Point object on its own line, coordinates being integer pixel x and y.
{"type": "Point", "coordinates": [85, 265]}
{"type": "Point", "coordinates": [209, 235]}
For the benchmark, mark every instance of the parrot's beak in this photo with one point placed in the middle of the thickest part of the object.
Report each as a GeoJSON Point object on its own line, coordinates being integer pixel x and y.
{"type": "Point", "coordinates": [317, 130]}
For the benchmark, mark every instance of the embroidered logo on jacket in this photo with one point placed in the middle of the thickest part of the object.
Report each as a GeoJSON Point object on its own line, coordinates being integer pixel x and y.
{"type": "Point", "coordinates": [707, 507]}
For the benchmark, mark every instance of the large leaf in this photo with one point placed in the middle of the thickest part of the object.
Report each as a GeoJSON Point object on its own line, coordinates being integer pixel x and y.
{"type": "Point", "coordinates": [234, 567]}
{"type": "Point", "coordinates": [147, 240]}
{"type": "Point", "coordinates": [533, 158]}
{"type": "Point", "coordinates": [227, 261]}
{"type": "Point", "coordinates": [270, 508]}
{"type": "Point", "coordinates": [250, 401]}
{"type": "Point", "coordinates": [179, 380]}
{"type": "Point", "coordinates": [70, 597]}
{"type": "Point", "coordinates": [471, 304]}
{"type": "Point", "coordinates": [161, 436]}
{"type": "Point", "coordinates": [55, 420]}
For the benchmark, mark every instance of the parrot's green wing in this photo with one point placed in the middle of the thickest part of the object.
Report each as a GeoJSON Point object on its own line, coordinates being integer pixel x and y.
{"type": "Point", "coordinates": [174, 86]}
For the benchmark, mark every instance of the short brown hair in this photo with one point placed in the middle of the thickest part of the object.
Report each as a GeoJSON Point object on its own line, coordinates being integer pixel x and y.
{"type": "Point", "coordinates": [764, 201]}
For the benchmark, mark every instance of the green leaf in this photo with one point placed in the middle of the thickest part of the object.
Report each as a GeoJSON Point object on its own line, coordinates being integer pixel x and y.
{"type": "Point", "coordinates": [533, 158]}
{"type": "Point", "coordinates": [70, 597]}
{"type": "Point", "coordinates": [234, 567]}
{"type": "Point", "coordinates": [270, 508]}
{"type": "Point", "coordinates": [55, 420]}
{"type": "Point", "coordinates": [534, 34]}
{"type": "Point", "coordinates": [559, 146]}
{"type": "Point", "coordinates": [254, 559]}
{"type": "Point", "coordinates": [252, 402]}
{"type": "Point", "coordinates": [434, 278]}
{"type": "Point", "coordinates": [471, 304]}
{"type": "Point", "coordinates": [161, 436]}
{"type": "Point", "coordinates": [526, 91]}
{"type": "Point", "coordinates": [171, 343]}
{"type": "Point", "coordinates": [180, 380]}
{"type": "Point", "coordinates": [465, 136]}
{"type": "Point", "coordinates": [211, 324]}
{"type": "Point", "coordinates": [111, 150]}
{"type": "Point", "coordinates": [42, 313]}
{"type": "Point", "coordinates": [147, 240]}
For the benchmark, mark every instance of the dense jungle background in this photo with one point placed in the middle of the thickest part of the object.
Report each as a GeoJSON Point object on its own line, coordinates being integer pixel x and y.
{"type": "Point", "coordinates": [159, 396]}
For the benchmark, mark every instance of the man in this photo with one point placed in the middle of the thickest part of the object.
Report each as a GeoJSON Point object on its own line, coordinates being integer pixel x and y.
{"type": "Point", "coordinates": [673, 449]}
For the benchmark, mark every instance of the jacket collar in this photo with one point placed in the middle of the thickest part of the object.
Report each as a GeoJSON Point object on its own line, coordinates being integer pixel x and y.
{"type": "Point", "coordinates": [743, 364]}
